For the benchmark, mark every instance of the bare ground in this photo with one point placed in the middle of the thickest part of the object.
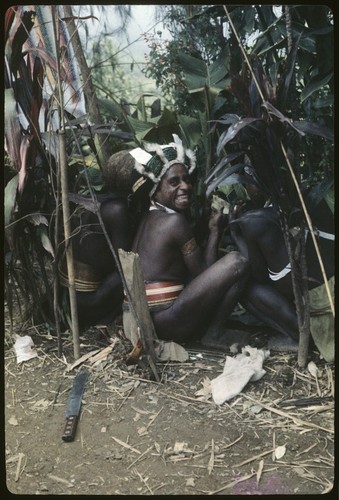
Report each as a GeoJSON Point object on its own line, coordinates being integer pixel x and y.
{"type": "Point", "coordinates": [140, 437]}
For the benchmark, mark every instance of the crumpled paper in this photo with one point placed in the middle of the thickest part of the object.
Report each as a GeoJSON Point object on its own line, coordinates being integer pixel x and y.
{"type": "Point", "coordinates": [238, 371]}
{"type": "Point", "coordinates": [24, 348]}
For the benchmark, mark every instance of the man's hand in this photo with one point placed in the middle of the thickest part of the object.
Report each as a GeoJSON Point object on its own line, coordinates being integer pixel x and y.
{"type": "Point", "coordinates": [217, 220]}
{"type": "Point", "coordinates": [237, 210]}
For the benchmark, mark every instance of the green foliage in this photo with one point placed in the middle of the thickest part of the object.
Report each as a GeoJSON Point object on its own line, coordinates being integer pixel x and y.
{"type": "Point", "coordinates": [108, 75]}
{"type": "Point", "coordinates": [296, 81]}
{"type": "Point", "coordinates": [207, 96]}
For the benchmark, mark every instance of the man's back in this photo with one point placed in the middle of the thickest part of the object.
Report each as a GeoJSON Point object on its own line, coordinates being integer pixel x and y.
{"type": "Point", "coordinates": [89, 242]}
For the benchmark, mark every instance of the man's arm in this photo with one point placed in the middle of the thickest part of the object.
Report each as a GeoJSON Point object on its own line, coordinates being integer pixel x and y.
{"type": "Point", "coordinates": [115, 217]}
{"type": "Point", "coordinates": [195, 259]}
{"type": "Point", "coordinates": [235, 230]}
{"type": "Point", "coordinates": [214, 226]}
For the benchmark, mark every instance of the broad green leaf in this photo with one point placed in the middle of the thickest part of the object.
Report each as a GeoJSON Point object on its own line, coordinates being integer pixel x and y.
{"type": "Point", "coordinates": [141, 107]}
{"type": "Point", "coordinates": [12, 128]}
{"type": "Point", "coordinates": [315, 84]}
{"type": "Point", "coordinates": [45, 241]}
{"type": "Point", "coordinates": [92, 176]}
{"type": "Point", "coordinates": [191, 130]}
{"type": "Point", "coordinates": [140, 128]}
{"type": "Point", "coordinates": [37, 219]}
{"type": "Point", "coordinates": [111, 108]}
{"type": "Point", "coordinates": [10, 198]}
{"type": "Point", "coordinates": [167, 118]}
{"type": "Point", "coordinates": [10, 202]}
{"type": "Point", "coordinates": [314, 128]}
{"type": "Point", "coordinates": [199, 75]}
{"type": "Point", "coordinates": [89, 160]}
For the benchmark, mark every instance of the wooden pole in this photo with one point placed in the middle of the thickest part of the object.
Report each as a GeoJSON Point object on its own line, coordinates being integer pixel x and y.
{"type": "Point", "coordinates": [135, 288]}
{"type": "Point", "coordinates": [64, 198]}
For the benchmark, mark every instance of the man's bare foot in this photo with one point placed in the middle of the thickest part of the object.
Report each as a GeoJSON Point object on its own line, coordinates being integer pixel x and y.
{"type": "Point", "coordinates": [282, 343]}
{"type": "Point", "coordinates": [227, 340]}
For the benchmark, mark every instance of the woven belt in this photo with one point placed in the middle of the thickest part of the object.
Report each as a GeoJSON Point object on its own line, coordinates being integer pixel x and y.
{"type": "Point", "coordinates": [162, 292]}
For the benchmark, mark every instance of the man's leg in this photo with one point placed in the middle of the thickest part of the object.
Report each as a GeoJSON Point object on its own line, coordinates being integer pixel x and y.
{"type": "Point", "coordinates": [275, 310]}
{"type": "Point", "coordinates": [103, 304]}
{"type": "Point", "coordinates": [210, 296]}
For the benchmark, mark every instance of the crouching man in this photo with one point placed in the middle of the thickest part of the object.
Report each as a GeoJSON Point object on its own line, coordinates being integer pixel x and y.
{"type": "Point", "coordinates": [190, 292]}
{"type": "Point", "coordinates": [98, 284]}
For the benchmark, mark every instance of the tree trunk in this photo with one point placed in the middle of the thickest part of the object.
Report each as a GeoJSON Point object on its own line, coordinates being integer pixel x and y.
{"type": "Point", "coordinates": [300, 291]}
{"type": "Point", "coordinates": [89, 91]}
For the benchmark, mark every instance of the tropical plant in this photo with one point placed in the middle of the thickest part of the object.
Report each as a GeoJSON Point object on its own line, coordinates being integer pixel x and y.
{"type": "Point", "coordinates": [31, 122]}
{"type": "Point", "coordinates": [266, 140]}
{"type": "Point", "coordinates": [244, 85]}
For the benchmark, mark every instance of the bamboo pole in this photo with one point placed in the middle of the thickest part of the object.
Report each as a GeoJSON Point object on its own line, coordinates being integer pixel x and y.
{"type": "Point", "coordinates": [65, 200]}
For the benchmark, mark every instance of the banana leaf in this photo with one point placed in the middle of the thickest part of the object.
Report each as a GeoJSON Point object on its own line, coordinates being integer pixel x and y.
{"type": "Point", "coordinates": [199, 75]}
{"type": "Point", "coordinates": [190, 128]}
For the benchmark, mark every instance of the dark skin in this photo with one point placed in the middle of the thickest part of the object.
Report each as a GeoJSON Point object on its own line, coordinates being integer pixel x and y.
{"type": "Point", "coordinates": [213, 286]}
{"type": "Point", "coordinates": [90, 247]}
{"type": "Point", "coordinates": [259, 237]}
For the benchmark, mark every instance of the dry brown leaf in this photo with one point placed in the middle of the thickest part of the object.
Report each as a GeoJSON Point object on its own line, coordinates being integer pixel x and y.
{"type": "Point", "coordinates": [190, 481]}
{"type": "Point", "coordinates": [280, 451]}
{"type": "Point", "coordinates": [81, 359]}
{"type": "Point", "coordinates": [13, 421]}
{"type": "Point", "coordinates": [142, 431]}
{"type": "Point", "coordinates": [42, 404]}
{"type": "Point", "coordinates": [259, 471]}
{"type": "Point", "coordinates": [179, 447]}
{"type": "Point", "coordinates": [125, 445]}
{"type": "Point", "coordinates": [204, 394]}
{"type": "Point", "coordinates": [211, 460]}
{"type": "Point", "coordinates": [312, 368]}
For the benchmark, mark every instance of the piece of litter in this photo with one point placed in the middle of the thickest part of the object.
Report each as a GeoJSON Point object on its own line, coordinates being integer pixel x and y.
{"type": "Point", "coordinates": [280, 451]}
{"type": "Point", "coordinates": [13, 421]}
{"type": "Point", "coordinates": [24, 348]}
{"type": "Point", "coordinates": [238, 371]}
{"type": "Point", "coordinates": [190, 481]}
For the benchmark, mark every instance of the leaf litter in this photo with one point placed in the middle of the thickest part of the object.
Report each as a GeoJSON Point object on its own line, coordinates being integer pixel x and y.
{"type": "Point", "coordinates": [174, 426]}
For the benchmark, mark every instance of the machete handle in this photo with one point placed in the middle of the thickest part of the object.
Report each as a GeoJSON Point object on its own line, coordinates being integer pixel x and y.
{"type": "Point", "coordinates": [70, 428]}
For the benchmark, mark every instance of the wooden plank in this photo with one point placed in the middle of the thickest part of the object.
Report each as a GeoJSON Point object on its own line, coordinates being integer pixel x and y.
{"type": "Point", "coordinates": [130, 263]}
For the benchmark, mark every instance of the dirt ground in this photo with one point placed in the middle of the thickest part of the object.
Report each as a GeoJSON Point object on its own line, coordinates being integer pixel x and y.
{"type": "Point", "coordinates": [141, 437]}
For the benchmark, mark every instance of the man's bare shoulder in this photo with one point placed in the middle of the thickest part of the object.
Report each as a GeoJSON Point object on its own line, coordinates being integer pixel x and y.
{"type": "Point", "coordinates": [175, 220]}
{"type": "Point", "coordinates": [113, 209]}
{"type": "Point", "coordinates": [172, 226]}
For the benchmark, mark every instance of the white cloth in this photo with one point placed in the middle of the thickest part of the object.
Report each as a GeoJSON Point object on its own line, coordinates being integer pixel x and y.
{"type": "Point", "coordinates": [238, 371]}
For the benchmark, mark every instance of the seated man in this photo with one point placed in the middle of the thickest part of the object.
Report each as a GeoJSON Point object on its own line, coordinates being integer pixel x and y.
{"type": "Point", "coordinates": [269, 295]}
{"type": "Point", "coordinates": [190, 292]}
{"type": "Point", "coordinates": [97, 280]}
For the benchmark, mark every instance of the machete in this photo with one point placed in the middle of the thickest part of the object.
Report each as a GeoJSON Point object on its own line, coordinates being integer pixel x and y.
{"type": "Point", "coordinates": [74, 405]}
